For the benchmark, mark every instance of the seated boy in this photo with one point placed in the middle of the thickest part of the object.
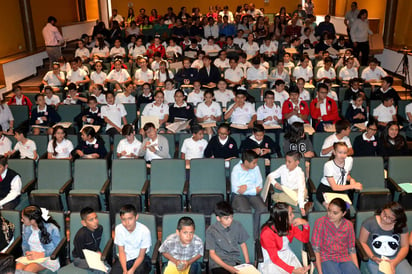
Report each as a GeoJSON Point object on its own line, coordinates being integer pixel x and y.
{"type": "Point", "coordinates": [10, 186]}
{"type": "Point", "coordinates": [183, 248]}
{"type": "Point", "coordinates": [88, 237]}
{"type": "Point", "coordinates": [223, 239]}
{"type": "Point", "coordinates": [91, 115]}
{"type": "Point", "coordinates": [5, 143]}
{"type": "Point", "coordinates": [373, 73]}
{"type": "Point", "coordinates": [113, 114]}
{"type": "Point", "coordinates": [246, 181]}
{"type": "Point", "coordinates": [19, 98]}
{"type": "Point", "coordinates": [133, 241]}
{"type": "Point", "coordinates": [260, 143]}
{"type": "Point", "coordinates": [73, 97]}
{"type": "Point", "coordinates": [385, 112]}
{"type": "Point", "coordinates": [154, 146]}
{"type": "Point", "coordinates": [43, 115]}
{"type": "Point", "coordinates": [295, 109]}
{"type": "Point", "coordinates": [269, 114]}
{"type": "Point", "coordinates": [323, 108]}
{"type": "Point", "coordinates": [291, 177]}
{"type": "Point", "coordinates": [194, 147]}
{"type": "Point", "coordinates": [341, 135]}
{"type": "Point", "coordinates": [386, 90]}
{"type": "Point", "coordinates": [26, 147]}
{"type": "Point", "coordinates": [241, 112]}
{"type": "Point", "coordinates": [222, 145]}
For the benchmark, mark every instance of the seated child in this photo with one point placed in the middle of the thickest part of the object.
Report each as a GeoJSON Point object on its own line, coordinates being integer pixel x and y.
{"type": "Point", "coordinates": [222, 94]}
{"type": "Point", "coordinates": [73, 97]}
{"type": "Point", "coordinates": [154, 146]}
{"type": "Point", "coordinates": [97, 91]}
{"type": "Point", "coordinates": [5, 143]}
{"type": "Point", "coordinates": [385, 112]}
{"type": "Point", "coordinates": [356, 112]}
{"type": "Point", "coordinates": [119, 76]}
{"type": "Point", "coordinates": [128, 148]}
{"type": "Point", "coordinates": [19, 98]}
{"type": "Point", "coordinates": [51, 98]}
{"type": "Point", "coordinates": [295, 109]}
{"type": "Point", "coordinates": [208, 111]}
{"type": "Point", "coordinates": [280, 94]}
{"type": "Point", "coordinates": [222, 145]}
{"type": "Point", "coordinates": [59, 147]}
{"type": "Point", "coordinates": [194, 147]}
{"type": "Point", "coordinates": [90, 147]}
{"type": "Point", "coordinates": [269, 113]}
{"type": "Point", "coordinates": [183, 248]}
{"type": "Point", "coordinates": [386, 90]}
{"type": "Point", "coordinates": [11, 187]}
{"type": "Point", "coordinates": [88, 237]}
{"type": "Point", "coordinates": [158, 108]}
{"type": "Point", "coordinates": [126, 96]}
{"type": "Point", "coordinates": [114, 115]}
{"type": "Point", "coordinates": [91, 115]}
{"type": "Point", "coordinates": [260, 143]}
{"type": "Point", "coordinates": [133, 241]}
{"type": "Point", "coordinates": [146, 97]}
{"type": "Point", "coordinates": [291, 177]}
{"type": "Point", "coordinates": [241, 112]}
{"type": "Point", "coordinates": [196, 96]}
{"type": "Point", "coordinates": [341, 135]}
{"type": "Point", "coordinates": [169, 91]}
{"type": "Point", "coordinates": [43, 115]}
{"type": "Point", "coordinates": [223, 239]}
{"type": "Point", "coordinates": [323, 108]}
{"type": "Point", "coordinates": [26, 147]}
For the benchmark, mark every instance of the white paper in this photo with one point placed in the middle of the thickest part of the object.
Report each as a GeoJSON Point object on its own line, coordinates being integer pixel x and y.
{"type": "Point", "coordinates": [291, 193]}
{"type": "Point", "coordinates": [329, 196]}
{"type": "Point", "coordinates": [385, 266]}
{"type": "Point", "coordinates": [63, 124]}
{"type": "Point", "coordinates": [246, 269]}
{"type": "Point", "coordinates": [178, 126]}
{"type": "Point", "coordinates": [25, 261]}
{"type": "Point", "coordinates": [265, 189]}
{"type": "Point", "coordinates": [309, 129]}
{"type": "Point", "coordinates": [150, 119]}
{"type": "Point", "coordinates": [96, 128]}
{"type": "Point", "coordinates": [94, 261]}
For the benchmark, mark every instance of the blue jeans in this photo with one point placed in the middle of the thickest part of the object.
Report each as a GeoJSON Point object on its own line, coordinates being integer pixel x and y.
{"type": "Point", "coordinates": [340, 268]}
{"type": "Point", "coordinates": [402, 267]}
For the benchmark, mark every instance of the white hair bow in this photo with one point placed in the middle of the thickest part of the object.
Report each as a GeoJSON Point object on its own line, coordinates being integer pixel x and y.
{"type": "Point", "coordinates": [45, 214]}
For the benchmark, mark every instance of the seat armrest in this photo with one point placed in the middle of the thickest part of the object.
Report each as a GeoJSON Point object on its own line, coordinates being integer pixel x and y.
{"type": "Point", "coordinates": [228, 189]}
{"type": "Point", "coordinates": [14, 245]}
{"type": "Point", "coordinates": [108, 248]}
{"type": "Point", "coordinates": [105, 187]}
{"type": "Point", "coordinates": [145, 187]}
{"type": "Point", "coordinates": [66, 187]}
{"type": "Point", "coordinates": [258, 251]}
{"type": "Point", "coordinates": [206, 256]}
{"type": "Point", "coordinates": [29, 186]}
{"type": "Point", "coordinates": [393, 185]}
{"type": "Point", "coordinates": [311, 186]}
{"type": "Point", "coordinates": [155, 256]}
{"type": "Point", "coordinates": [58, 248]}
{"type": "Point", "coordinates": [361, 252]}
{"type": "Point", "coordinates": [311, 253]}
{"type": "Point", "coordinates": [186, 188]}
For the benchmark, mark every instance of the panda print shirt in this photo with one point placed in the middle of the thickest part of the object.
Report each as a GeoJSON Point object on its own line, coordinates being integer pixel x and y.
{"type": "Point", "coordinates": [382, 242]}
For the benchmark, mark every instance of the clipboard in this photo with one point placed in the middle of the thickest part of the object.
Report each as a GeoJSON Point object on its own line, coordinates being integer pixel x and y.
{"type": "Point", "coordinates": [265, 189]}
{"type": "Point", "coordinates": [94, 260]}
{"type": "Point", "coordinates": [149, 119]}
{"type": "Point", "coordinates": [329, 196]}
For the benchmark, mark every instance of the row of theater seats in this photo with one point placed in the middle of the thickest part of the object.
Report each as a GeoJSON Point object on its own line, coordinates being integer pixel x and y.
{"type": "Point", "coordinates": [167, 186]}
{"type": "Point", "coordinates": [169, 222]}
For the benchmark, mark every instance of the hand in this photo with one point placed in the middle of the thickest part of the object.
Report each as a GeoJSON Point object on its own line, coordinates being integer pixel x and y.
{"type": "Point", "coordinates": [269, 118]}
{"type": "Point", "coordinates": [212, 117]}
{"type": "Point", "coordinates": [258, 189]}
{"type": "Point", "coordinates": [301, 270]}
{"type": "Point", "coordinates": [264, 151]}
{"type": "Point", "coordinates": [257, 150]}
{"type": "Point", "coordinates": [84, 118]}
{"type": "Point", "coordinates": [123, 153]}
{"type": "Point", "coordinates": [80, 153]}
{"type": "Point", "coordinates": [152, 149]}
{"type": "Point", "coordinates": [233, 270]}
{"type": "Point", "coordinates": [44, 118]}
{"type": "Point", "coordinates": [299, 221]}
{"type": "Point", "coordinates": [242, 189]}
{"type": "Point", "coordinates": [377, 260]}
{"type": "Point", "coordinates": [278, 187]}
{"type": "Point", "coordinates": [357, 186]}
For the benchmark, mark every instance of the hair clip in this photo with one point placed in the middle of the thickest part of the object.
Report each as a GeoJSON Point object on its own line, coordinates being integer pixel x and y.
{"type": "Point", "coordinates": [45, 214]}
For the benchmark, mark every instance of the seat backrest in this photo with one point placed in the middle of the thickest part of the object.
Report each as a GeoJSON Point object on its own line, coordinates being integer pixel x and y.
{"type": "Point", "coordinates": [312, 217]}
{"type": "Point", "coordinates": [106, 140]}
{"type": "Point", "coordinates": [14, 217]}
{"type": "Point", "coordinates": [170, 221]}
{"type": "Point", "coordinates": [25, 168]}
{"type": "Point", "coordinates": [75, 225]}
{"type": "Point", "coordinates": [409, 218]}
{"type": "Point", "coordinates": [316, 169]}
{"type": "Point", "coordinates": [207, 176]}
{"type": "Point", "coordinates": [167, 176]}
{"type": "Point", "coordinates": [238, 139]}
{"type": "Point", "coordinates": [401, 108]}
{"type": "Point", "coordinates": [369, 171]}
{"type": "Point", "coordinates": [128, 174]}
{"type": "Point", "coordinates": [281, 141]}
{"type": "Point", "coordinates": [399, 169]}
{"type": "Point", "coordinates": [52, 174]}
{"type": "Point", "coordinates": [41, 143]}
{"type": "Point", "coordinates": [149, 221]}
{"type": "Point", "coordinates": [373, 104]}
{"type": "Point", "coordinates": [353, 135]}
{"type": "Point", "coordinates": [361, 216]}
{"type": "Point", "coordinates": [20, 114]}
{"type": "Point", "coordinates": [69, 112]}
{"type": "Point", "coordinates": [131, 112]}
{"type": "Point", "coordinates": [74, 139]}
{"type": "Point", "coordinates": [318, 139]}
{"type": "Point", "coordinates": [89, 174]}
{"type": "Point", "coordinates": [60, 220]}
{"type": "Point", "coordinates": [172, 144]}
{"type": "Point", "coordinates": [246, 219]}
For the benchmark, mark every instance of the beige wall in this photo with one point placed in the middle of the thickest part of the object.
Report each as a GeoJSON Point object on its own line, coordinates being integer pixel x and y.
{"type": "Point", "coordinates": [12, 41]}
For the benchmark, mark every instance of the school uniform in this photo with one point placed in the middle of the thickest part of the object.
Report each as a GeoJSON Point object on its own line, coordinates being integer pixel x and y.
{"type": "Point", "coordinates": [153, 110]}
{"type": "Point", "coordinates": [51, 79]}
{"type": "Point", "coordinates": [63, 149]}
{"type": "Point", "coordinates": [305, 73]}
{"type": "Point", "coordinates": [191, 74]}
{"type": "Point", "coordinates": [86, 239]}
{"type": "Point", "coordinates": [5, 145]}
{"type": "Point", "coordinates": [304, 95]}
{"type": "Point", "coordinates": [348, 74]}
{"type": "Point", "coordinates": [98, 78]}
{"type": "Point", "coordinates": [234, 75]}
{"type": "Point", "coordinates": [119, 76]}
{"type": "Point", "coordinates": [266, 143]}
{"type": "Point", "coordinates": [195, 98]}
{"type": "Point", "coordinates": [384, 114]}
{"type": "Point", "coordinates": [203, 110]}
{"type": "Point", "coordinates": [350, 92]}
{"type": "Point", "coordinates": [239, 41]}
{"type": "Point", "coordinates": [224, 97]}
{"type": "Point", "coordinates": [95, 146]}
{"type": "Point", "coordinates": [130, 148]}
{"type": "Point", "coordinates": [114, 113]}
{"type": "Point", "coordinates": [22, 101]}
{"type": "Point", "coordinates": [328, 74]}
{"type": "Point", "coordinates": [90, 114]}
{"type": "Point", "coordinates": [242, 115]}
{"type": "Point", "coordinates": [53, 101]}
{"type": "Point", "coordinates": [256, 74]}
{"type": "Point", "coordinates": [210, 74]}
{"type": "Point", "coordinates": [275, 75]}
{"type": "Point", "coordinates": [264, 112]}
{"type": "Point", "coordinates": [48, 112]}
{"type": "Point", "coordinates": [26, 150]}
{"type": "Point", "coordinates": [121, 98]}
{"type": "Point", "coordinates": [162, 77]}
{"type": "Point", "coordinates": [71, 100]}
{"type": "Point", "coordinates": [379, 94]}
{"type": "Point", "coordinates": [74, 76]}
{"type": "Point", "coordinates": [364, 146]}
{"type": "Point", "coordinates": [326, 113]}
{"type": "Point", "coordinates": [288, 106]}
{"type": "Point", "coordinates": [84, 52]}
{"type": "Point", "coordinates": [353, 111]}
{"type": "Point", "coordinates": [281, 96]}
{"type": "Point", "coordinates": [136, 51]}
{"type": "Point", "coordinates": [250, 49]}
{"type": "Point", "coordinates": [120, 51]}
{"type": "Point", "coordinates": [377, 74]}
{"type": "Point", "coordinates": [10, 189]}
{"type": "Point", "coordinates": [161, 146]}
{"type": "Point", "coordinates": [144, 99]}
{"type": "Point", "coordinates": [330, 140]}
{"type": "Point", "coordinates": [169, 95]}
{"type": "Point", "coordinates": [184, 111]}
{"type": "Point", "coordinates": [193, 149]}
{"type": "Point", "coordinates": [218, 148]}
{"type": "Point", "coordinates": [146, 76]}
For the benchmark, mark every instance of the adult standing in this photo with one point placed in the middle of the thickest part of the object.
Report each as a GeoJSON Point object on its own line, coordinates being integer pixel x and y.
{"type": "Point", "coordinates": [360, 36]}
{"type": "Point", "coordinates": [350, 17]}
{"type": "Point", "coordinates": [53, 40]}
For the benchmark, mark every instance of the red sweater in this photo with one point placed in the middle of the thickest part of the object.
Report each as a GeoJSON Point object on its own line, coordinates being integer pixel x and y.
{"type": "Point", "coordinates": [288, 108]}
{"type": "Point", "coordinates": [272, 242]}
{"type": "Point", "coordinates": [332, 113]}
{"type": "Point", "coordinates": [25, 101]}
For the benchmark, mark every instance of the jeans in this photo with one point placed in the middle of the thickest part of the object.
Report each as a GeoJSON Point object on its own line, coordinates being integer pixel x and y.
{"type": "Point", "coordinates": [402, 267]}
{"type": "Point", "coordinates": [340, 268]}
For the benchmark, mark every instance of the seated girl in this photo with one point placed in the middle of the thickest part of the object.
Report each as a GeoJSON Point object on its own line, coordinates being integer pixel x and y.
{"type": "Point", "coordinates": [366, 144]}
{"type": "Point", "coordinates": [297, 140]}
{"type": "Point", "coordinates": [181, 110]}
{"type": "Point", "coordinates": [90, 146]}
{"type": "Point", "coordinates": [158, 108]}
{"type": "Point", "coordinates": [59, 147]}
{"type": "Point", "coordinates": [391, 143]}
{"type": "Point", "coordinates": [128, 148]}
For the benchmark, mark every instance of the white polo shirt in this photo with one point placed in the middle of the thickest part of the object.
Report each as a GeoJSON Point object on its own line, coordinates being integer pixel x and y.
{"type": "Point", "coordinates": [250, 49]}
{"type": "Point", "coordinates": [281, 96]}
{"type": "Point", "coordinates": [137, 51]}
{"type": "Point", "coordinates": [117, 51]}
{"type": "Point", "coordinates": [84, 52]}
{"type": "Point", "coordinates": [275, 75]}
{"type": "Point", "coordinates": [121, 98]}
{"type": "Point", "coordinates": [224, 97]}
{"type": "Point", "coordinates": [264, 111]}
{"type": "Point", "coordinates": [119, 76]}
{"type": "Point", "coordinates": [304, 95]}
{"type": "Point", "coordinates": [5, 145]}
{"type": "Point", "coordinates": [384, 114]}
{"type": "Point", "coordinates": [193, 149]}
{"type": "Point", "coordinates": [305, 73]}
{"type": "Point", "coordinates": [54, 100]}
{"type": "Point", "coordinates": [203, 110]}
{"type": "Point", "coordinates": [162, 77]}
{"type": "Point", "coordinates": [195, 98]}
{"type": "Point", "coordinates": [98, 78]}
{"type": "Point", "coordinates": [221, 64]}
{"type": "Point", "coordinates": [234, 75]}
{"type": "Point", "coordinates": [78, 75]}
{"type": "Point", "coordinates": [26, 150]}
{"type": "Point", "coordinates": [130, 148]}
{"type": "Point", "coordinates": [101, 99]}
{"type": "Point", "coordinates": [323, 73]}
{"type": "Point", "coordinates": [52, 80]}
{"type": "Point", "coordinates": [158, 111]}
{"type": "Point", "coordinates": [169, 95]}
{"type": "Point", "coordinates": [144, 75]}
{"type": "Point", "coordinates": [114, 113]}
{"type": "Point", "coordinates": [271, 48]}
{"type": "Point", "coordinates": [257, 74]}
{"type": "Point", "coordinates": [63, 149]}
{"type": "Point", "coordinates": [377, 74]}
{"type": "Point", "coordinates": [330, 140]}
{"type": "Point", "coordinates": [242, 115]}
{"type": "Point", "coordinates": [347, 74]}
{"type": "Point", "coordinates": [132, 242]}
{"type": "Point", "coordinates": [408, 109]}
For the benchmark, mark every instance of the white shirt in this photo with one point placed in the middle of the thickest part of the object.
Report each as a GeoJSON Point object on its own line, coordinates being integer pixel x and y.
{"type": "Point", "coordinates": [203, 110]}
{"type": "Point", "coordinates": [347, 74]}
{"type": "Point", "coordinates": [281, 96]}
{"type": "Point", "coordinates": [15, 188]}
{"type": "Point", "coordinates": [330, 169]}
{"type": "Point", "coordinates": [5, 117]}
{"type": "Point", "coordinates": [330, 140]}
{"type": "Point", "coordinates": [175, 49]}
{"type": "Point", "coordinates": [229, 15]}
{"type": "Point", "coordinates": [130, 148]}
{"type": "Point", "coordinates": [63, 149]}
{"type": "Point", "coordinates": [195, 98]}
{"type": "Point", "coordinates": [84, 52]}
{"type": "Point", "coordinates": [78, 75]}
{"type": "Point", "coordinates": [114, 113]}
{"type": "Point", "coordinates": [323, 73]}
{"type": "Point", "coordinates": [120, 76]}
{"type": "Point", "coordinates": [54, 100]}
{"type": "Point", "coordinates": [242, 115]}
{"type": "Point", "coordinates": [162, 77]}
{"type": "Point", "coordinates": [51, 35]}
{"type": "Point", "coordinates": [101, 99]}
{"type": "Point", "coordinates": [257, 74]}
{"type": "Point", "coordinates": [239, 41]}
{"type": "Point", "coordinates": [275, 75]}
{"type": "Point", "coordinates": [197, 64]}
{"type": "Point", "coordinates": [146, 76]}
{"type": "Point", "coordinates": [377, 74]}
{"type": "Point", "coordinates": [193, 149]}
{"type": "Point", "coordinates": [5, 145]}
{"type": "Point", "coordinates": [27, 150]}
{"type": "Point", "coordinates": [224, 97]}
{"type": "Point", "coordinates": [304, 95]}
{"type": "Point", "coordinates": [292, 179]}
{"type": "Point", "coordinates": [121, 98]}
{"type": "Point", "coordinates": [100, 52]}
{"type": "Point", "coordinates": [250, 49]}
{"type": "Point", "coordinates": [149, 155]}
{"type": "Point", "coordinates": [305, 73]}
{"type": "Point", "coordinates": [384, 114]}
{"type": "Point", "coordinates": [332, 95]}
{"type": "Point", "coordinates": [360, 31]}
{"type": "Point", "coordinates": [268, 50]}
{"type": "Point", "coordinates": [137, 51]}
{"type": "Point", "coordinates": [117, 52]}
{"type": "Point", "coordinates": [140, 238]}
{"type": "Point", "coordinates": [98, 78]}
{"type": "Point", "coordinates": [221, 64]}
{"type": "Point", "coordinates": [211, 49]}
{"type": "Point", "coordinates": [52, 80]}
{"type": "Point", "coordinates": [408, 109]}
{"type": "Point", "coordinates": [211, 30]}
{"type": "Point", "coordinates": [158, 111]}
{"type": "Point", "coordinates": [169, 95]}
{"type": "Point", "coordinates": [264, 112]}
{"type": "Point", "coordinates": [234, 75]}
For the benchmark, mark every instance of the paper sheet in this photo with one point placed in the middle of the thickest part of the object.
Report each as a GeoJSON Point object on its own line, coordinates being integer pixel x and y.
{"type": "Point", "coordinates": [96, 128]}
{"type": "Point", "coordinates": [239, 126]}
{"type": "Point", "coordinates": [247, 269]}
{"type": "Point", "coordinates": [265, 189]}
{"type": "Point", "coordinates": [63, 124]}
{"type": "Point", "coordinates": [407, 187]}
{"type": "Point", "coordinates": [329, 128]}
{"type": "Point", "coordinates": [291, 193]}
{"type": "Point", "coordinates": [291, 50]}
{"type": "Point", "coordinates": [25, 261]}
{"type": "Point", "coordinates": [94, 261]}
{"type": "Point", "coordinates": [178, 126]}
{"type": "Point", "coordinates": [309, 86]}
{"type": "Point", "coordinates": [271, 126]}
{"type": "Point", "coordinates": [208, 124]}
{"type": "Point", "coordinates": [150, 119]}
{"type": "Point", "coordinates": [329, 196]}
{"type": "Point", "coordinates": [385, 266]}
{"type": "Point", "coordinates": [308, 129]}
